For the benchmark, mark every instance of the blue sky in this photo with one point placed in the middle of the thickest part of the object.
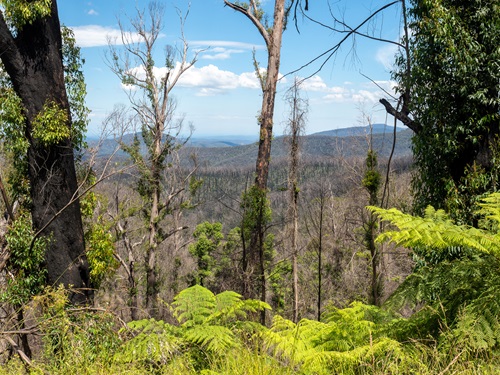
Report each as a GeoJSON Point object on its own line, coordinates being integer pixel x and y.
{"type": "Point", "coordinates": [220, 94]}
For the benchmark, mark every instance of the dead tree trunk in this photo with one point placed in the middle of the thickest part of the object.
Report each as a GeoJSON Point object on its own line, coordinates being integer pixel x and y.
{"type": "Point", "coordinates": [298, 112]}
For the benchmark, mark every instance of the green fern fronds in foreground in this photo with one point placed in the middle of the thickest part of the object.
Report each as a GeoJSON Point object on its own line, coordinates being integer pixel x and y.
{"type": "Point", "coordinates": [208, 325]}
{"type": "Point", "coordinates": [458, 280]}
{"type": "Point", "coordinates": [436, 231]}
{"type": "Point", "coordinates": [346, 339]}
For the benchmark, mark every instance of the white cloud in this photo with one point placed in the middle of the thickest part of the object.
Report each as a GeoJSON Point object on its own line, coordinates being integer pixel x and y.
{"type": "Point", "coordinates": [333, 93]}
{"type": "Point", "coordinates": [366, 96]}
{"type": "Point", "coordinates": [92, 12]}
{"type": "Point", "coordinates": [226, 44]}
{"type": "Point", "coordinates": [314, 83]}
{"type": "Point", "coordinates": [220, 53]}
{"type": "Point", "coordinates": [212, 80]}
{"type": "Point", "coordinates": [369, 92]}
{"type": "Point", "coordinates": [209, 79]}
{"type": "Point", "coordinates": [98, 36]}
{"type": "Point", "coordinates": [222, 49]}
{"type": "Point", "coordinates": [386, 55]}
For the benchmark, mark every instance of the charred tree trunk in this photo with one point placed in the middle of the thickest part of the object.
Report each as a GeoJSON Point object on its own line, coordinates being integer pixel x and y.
{"type": "Point", "coordinates": [33, 61]}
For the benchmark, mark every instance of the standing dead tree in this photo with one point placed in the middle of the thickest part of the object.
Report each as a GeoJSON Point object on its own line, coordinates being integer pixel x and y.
{"type": "Point", "coordinates": [148, 88]}
{"type": "Point", "coordinates": [295, 128]}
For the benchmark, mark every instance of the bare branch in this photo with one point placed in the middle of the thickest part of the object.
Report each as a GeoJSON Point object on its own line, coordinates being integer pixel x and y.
{"type": "Point", "coordinates": [401, 115]}
{"type": "Point", "coordinates": [331, 52]}
{"type": "Point", "coordinates": [262, 30]}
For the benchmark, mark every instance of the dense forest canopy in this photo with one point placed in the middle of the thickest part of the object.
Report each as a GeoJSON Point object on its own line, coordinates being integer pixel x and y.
{"type": "Point", "coordinates": [339, 254]}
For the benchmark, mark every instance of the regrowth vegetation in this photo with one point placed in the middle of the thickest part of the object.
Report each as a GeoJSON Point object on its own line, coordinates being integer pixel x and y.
{"type": "Point", "coordinates": [341, 297]}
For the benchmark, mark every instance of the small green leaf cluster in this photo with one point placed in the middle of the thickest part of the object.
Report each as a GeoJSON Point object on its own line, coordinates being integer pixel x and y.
{"type": "Point", "coordinates": [99, 242]}
{"type": "Point", "coordinates": [15, 144]}
{"type": "Point", "coordinates": [100, 251]}
{"type": "Point", "coordinates": [75, 87]}
{"type": "Point", "coordinates": [371, 180]}
{"type": "Point", "coordinates": [22, 12]}
{"type": "Point", "coordinates": [256, 207]}
{"type": "Point", "coordinates": [50, 126]}
{"type": "Point", "coordinates": [208, 239]}
{"type": "Point", "coordinates": [26, 262]}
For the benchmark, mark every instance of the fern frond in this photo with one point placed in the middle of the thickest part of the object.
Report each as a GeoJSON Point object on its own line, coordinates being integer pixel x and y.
{"type": "Point", "coordinates": [216, 339]}
{"type": "Point", "coordinates": [490, 207]}
{"type": "Point", "coordinates": [193, 305]}
{"type": "Point", "coordinates": [291, 341]}
{"type": "Point", "coordinates": [478, 326]}
{"type": "Point", "coordinates": [230, 308]}
{"type": "Point", "coordinates": [346, 361]}
{"type": "Point", "coordinates": [153, 342]}
{"type": "Point", "coordinates": [434, 231]}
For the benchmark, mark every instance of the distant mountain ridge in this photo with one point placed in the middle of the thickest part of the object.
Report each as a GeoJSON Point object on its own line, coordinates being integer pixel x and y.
{"type": "Point", "coordinates": [242, 151]}
{"type": "Point", "coordinates": [359, 130]}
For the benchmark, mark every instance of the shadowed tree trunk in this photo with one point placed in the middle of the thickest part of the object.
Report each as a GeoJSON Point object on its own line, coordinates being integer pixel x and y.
{"type": "Point", "coordinates": [32, 58]}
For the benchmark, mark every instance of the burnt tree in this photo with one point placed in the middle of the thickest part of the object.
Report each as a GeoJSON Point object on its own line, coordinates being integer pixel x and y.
{"type": "Point", "coordinates": [32, 58]}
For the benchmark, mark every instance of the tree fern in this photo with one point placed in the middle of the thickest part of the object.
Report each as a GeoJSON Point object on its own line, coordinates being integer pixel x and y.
{"type": "Point", "coordinates": [435, 231]}
{"type": "Point", "coordinates": [193, 305]}
{"type": "Point", "coordinates": [457, 281]}
{"type": "Point", "coordinates": [208, 325]}
{"type": "Point", "coordinates": [346, 339]}
{"type": "Point", "coordinates": [153, 343]}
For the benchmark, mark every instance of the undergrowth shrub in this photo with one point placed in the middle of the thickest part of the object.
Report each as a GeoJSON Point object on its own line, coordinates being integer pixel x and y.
{"type": "Point", "coordinates": [215, 335]}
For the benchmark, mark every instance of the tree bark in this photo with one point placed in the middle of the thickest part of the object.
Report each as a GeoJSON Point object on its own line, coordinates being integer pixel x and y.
{"type": "Point", "coordinates": [295, 126]}
{"type": "Point", "coordinates": [33, 61]}
{"type": "Point", "coordinates": [273, 40]}
{"type": "Point", "coordinates": [152, 291]}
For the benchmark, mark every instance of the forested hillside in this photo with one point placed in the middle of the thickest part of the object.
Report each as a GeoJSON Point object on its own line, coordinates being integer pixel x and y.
{"type": "Point", "coordinates": [365, 250]}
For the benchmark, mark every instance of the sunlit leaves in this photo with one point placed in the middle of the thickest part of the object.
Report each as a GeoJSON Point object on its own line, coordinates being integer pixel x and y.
{"type": "Point", "coordinates": [453, 85]}
{"type": "Point", "coordinates": [75, 88]}
{"type": "Point", "coordinates": [22, 12]}
{"type": "Point", "coordinates": [50, 126]}
{"type": "Point", "coordinates": [27, 256]}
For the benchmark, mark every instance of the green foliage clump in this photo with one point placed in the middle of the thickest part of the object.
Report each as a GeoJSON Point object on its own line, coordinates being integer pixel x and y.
{"type": "Point", "coordinates": [452, 85]}
{"type": "Point", "coordinates": [209, 325]}
{"type": "Point", "coordinates": [50, 126]}
{"type": "Point", "coordinates": [75, 88]}
{"type": "Point", "coordinates": [372, 178]}
{"type": "Point", "coordinates": [100, 251]}
{"type": "Point", "coordinates": [256, 207]}
{"type": "Point", "coordinates": [15, 144]}
{"type": "Point", "coordinates": [344, 341]}
{"type": "Point", "coordinates": [22, 12]}
{"type": "Point", "coordinates": [99, 242]}
{"type": "Point", "coordinates": [208, 238]}
{"type": "Point", "coordinates": [456, 280]}
{"type": "Point", "coordinates": [26, 262]}
{"type": "Point", "coordinates": [74, 338]}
